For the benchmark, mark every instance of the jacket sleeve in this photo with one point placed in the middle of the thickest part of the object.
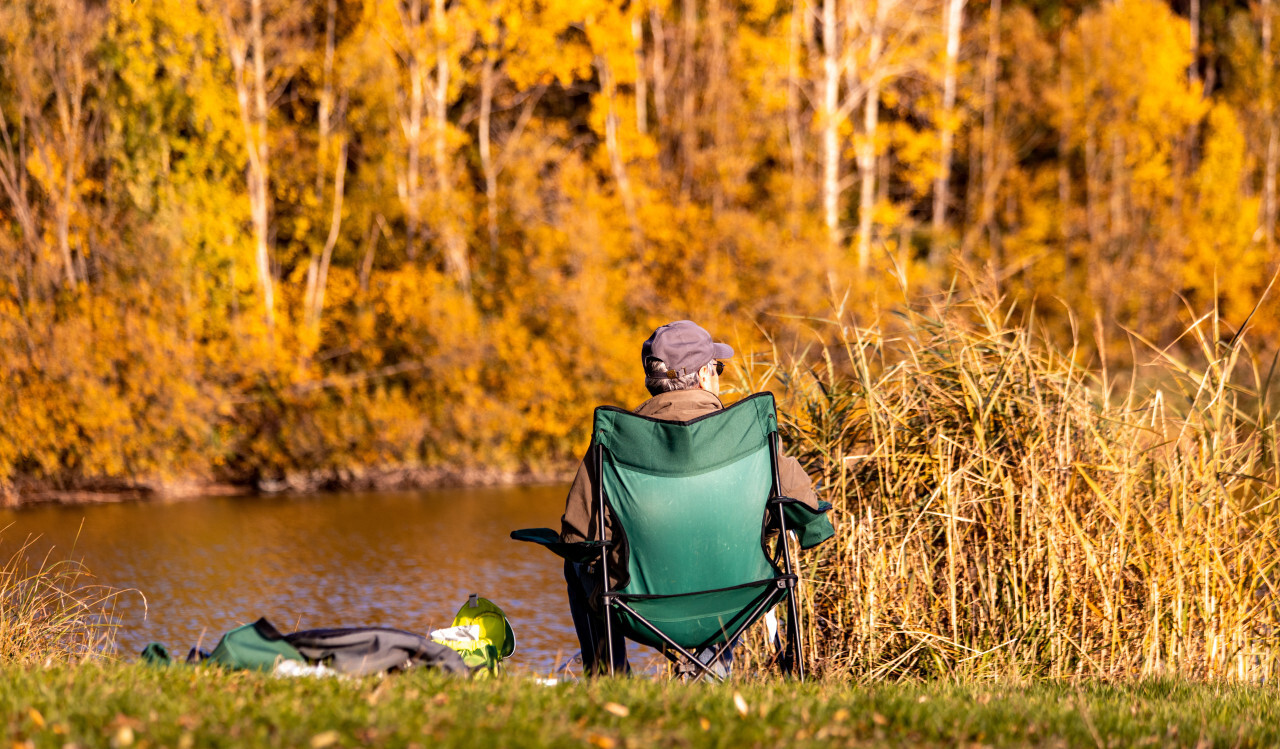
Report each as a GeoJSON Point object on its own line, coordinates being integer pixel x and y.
{"type": "Point", "coordinates": [795, 482]}
{"type": "Point", "coordinates": [579, 519]}
{"type": "Point", "coordinates": [811, 522]}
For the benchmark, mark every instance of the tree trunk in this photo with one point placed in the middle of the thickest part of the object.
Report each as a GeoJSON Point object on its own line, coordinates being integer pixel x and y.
{"type": "Point", "coordinates": [1091, 186]}
{"type": "Point", "coordinates": [690, 86]}
{"type": "Point", "coordinates": [260, 167]}
{"type": "Point", "coordinates": [642, 82]}
{"type": "Point", "coordinates": [830, 122]}
{"type": "Point", "coordinates": [716, 96]}
{"type": "Point", "coordinates": [984, 184]}
{"type": "Point", "coordinates": [325, 113]}
{"type": "Point", "coordinates": [795, 129]}
{"type": "Point", "coordinates": [13, 180]}
{"type": "Point", "coordinates": [251, 94]}
{"type": "Point", "coordinates": [411, 114]}
{"type": "Point", "coordinates": [486, 152]}
{"type": "Point", "coordinates": [616, 162]}
{"type": "Point", "coordinates": [867, 158]}
{"type": "Point", "coordinates": [1269, 114]}
{"type": "Point", "coordinates": [954, 20]}
{"type": "Point", "coordinates": [335, 223]}
{"type": "Point", "coordinates": [1115, 204]}
{"type": "Point", "coordinates": [1064, 145]}
{"type": "Point", "coordinates": [658, 29]}
{"type": "Point", "coordinates": [1193, 18]}
{"type": "Point", "coordinates": [455, 249]}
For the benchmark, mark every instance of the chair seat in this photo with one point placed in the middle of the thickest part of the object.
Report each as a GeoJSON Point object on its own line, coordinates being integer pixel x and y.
{"type": "Point", "coordinates": [697, 620]}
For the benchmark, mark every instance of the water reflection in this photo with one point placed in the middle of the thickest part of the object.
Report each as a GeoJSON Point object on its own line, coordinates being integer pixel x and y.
{"type": "Point", "coordinates": [402, 559]}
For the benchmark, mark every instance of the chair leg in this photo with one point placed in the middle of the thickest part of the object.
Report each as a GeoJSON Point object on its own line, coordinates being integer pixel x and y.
{"type": "Point", "coordinates": [793, 663]}
{"type": "Point", "coordinates": [608, 633]}
{"type": "Point", "coordinates": [706, 669]}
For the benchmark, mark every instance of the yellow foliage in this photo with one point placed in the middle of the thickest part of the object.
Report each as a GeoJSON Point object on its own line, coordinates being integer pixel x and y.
{"type": "Point", "coordinates": [482, 290]}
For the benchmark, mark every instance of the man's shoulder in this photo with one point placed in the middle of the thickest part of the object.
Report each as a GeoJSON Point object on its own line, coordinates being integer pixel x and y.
{"type": "Point", "coordinates": [680, 405]}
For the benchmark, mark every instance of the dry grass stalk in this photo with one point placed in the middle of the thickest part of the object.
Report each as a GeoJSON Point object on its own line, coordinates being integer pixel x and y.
{"type": "Point", "coordinates": [999, 512]}
{"type": "Point", "coordinates": [52, 612]}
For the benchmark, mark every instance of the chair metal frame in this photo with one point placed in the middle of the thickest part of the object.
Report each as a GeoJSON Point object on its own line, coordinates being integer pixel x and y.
{"type": "Point", "coordinates": [785, 585]}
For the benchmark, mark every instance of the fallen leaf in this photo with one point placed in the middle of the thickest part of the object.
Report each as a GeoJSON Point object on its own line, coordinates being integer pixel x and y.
{"type": "Point", "coordinates": [879, 719]}
{"type": "Point", "coordinates": [323, 739]}
{"type": "Point", "coordinates": [35, 717]}
{"type": "Point", "coordinates": [841, 715]}
{"type": "Point", "coordinates": [706, 724]}
{"type": "Point", "coordinates": [123, 737]}
{"type": "Point", "coordinates": [621, 711]}
{"type": "Point", "coordinates": [604, 742]}
{"type": "Point", "coordinates": [740, 704]}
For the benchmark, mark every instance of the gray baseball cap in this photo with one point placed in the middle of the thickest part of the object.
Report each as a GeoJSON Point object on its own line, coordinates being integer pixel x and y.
{"type": "Point", "coordinates": [684, 346]}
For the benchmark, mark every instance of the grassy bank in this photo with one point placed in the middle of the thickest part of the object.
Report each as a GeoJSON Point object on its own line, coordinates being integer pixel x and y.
{"type": "Point", "coordinates": [128, 705]}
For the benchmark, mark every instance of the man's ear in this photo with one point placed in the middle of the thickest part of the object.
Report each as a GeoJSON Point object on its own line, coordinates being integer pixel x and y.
{"type": "Point", "coordinates": [704, 378]}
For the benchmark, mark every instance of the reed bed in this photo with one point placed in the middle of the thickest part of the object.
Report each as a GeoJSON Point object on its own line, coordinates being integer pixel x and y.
{"type": "Point", "coordinates": [1002, 511]}
{"type": "Point", "coordinates": [51, 611]}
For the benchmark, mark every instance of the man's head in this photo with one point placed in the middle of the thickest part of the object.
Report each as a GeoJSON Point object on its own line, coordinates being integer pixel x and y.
{"type": "Point", "coordinates": [682, 356]}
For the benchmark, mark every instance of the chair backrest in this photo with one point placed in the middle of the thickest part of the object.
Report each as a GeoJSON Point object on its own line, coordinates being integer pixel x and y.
{"type": "Point", "coordinates": [690, 496]}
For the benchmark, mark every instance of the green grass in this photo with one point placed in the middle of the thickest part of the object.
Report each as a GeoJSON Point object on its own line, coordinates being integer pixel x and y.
{"type": "Point", "coordinates": [117, 705]}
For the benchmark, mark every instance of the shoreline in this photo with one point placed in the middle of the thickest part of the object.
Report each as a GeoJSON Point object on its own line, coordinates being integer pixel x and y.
{"type": "Point", "coordinates": [27, 493]}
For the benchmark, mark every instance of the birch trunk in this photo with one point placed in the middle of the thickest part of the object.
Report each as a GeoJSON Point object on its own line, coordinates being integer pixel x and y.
{"type": "Point", "coordinates": [456, 263]}
{"type": "Point", "coordinates": [984, 183]}
{"type": "Point", "coordinates": [260, 167]}
{"type": "Point", "coordinates": [642, 83]}
{"type": "Point", "coordinates": [325, 114]}
{"type": "Point", "coordinates": [658, 28]}
{"type": "Point", "coordinates": [1269, 113]}
{"type": "Point", "coordinates": [616, 162]}
{"type": "Point", "coordinates": [689, 88]}
{"type": "Point", "coordinates": [251, 95]}
{"type": "Point", "coordinates": [954, 19]}
{"type": "Point", "coordinates": [1193, 73]}
{"type": "Point", "coordinates": [1064, 145]}
{"type": "Point", "coordinates": [486, 150]}
{"type": "Point", "coordinates": [318, 268]}
{"type": "Point", "coordinates": [335, 223]}
{"type": "Point", "coordinates": [14, 179]}
{"type": "Point", "coordinates": [716, 95]}
{"type": "Point", "coordinates": [795, 130]}
{"type": "Point", "coordinates": [411, 113]}
{"type": "Point", "coordinates": [830, 130]}
{"type": "Point", "coordinates": [867, 146]}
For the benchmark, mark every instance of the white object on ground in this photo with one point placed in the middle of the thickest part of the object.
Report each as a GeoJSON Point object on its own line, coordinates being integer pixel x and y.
{"type": "Point", "coordinates": [461, 632]}
{"type": "Point", "coordinates": [294, 669]}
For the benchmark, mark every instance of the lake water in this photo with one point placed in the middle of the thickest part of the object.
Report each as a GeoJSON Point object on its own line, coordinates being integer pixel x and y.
{"type": "Point", "coordinates": [401, 559]}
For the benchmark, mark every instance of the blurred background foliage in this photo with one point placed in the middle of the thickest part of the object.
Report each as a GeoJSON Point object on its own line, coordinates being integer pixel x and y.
{"type": "Point", "coordinates": [246, 240]}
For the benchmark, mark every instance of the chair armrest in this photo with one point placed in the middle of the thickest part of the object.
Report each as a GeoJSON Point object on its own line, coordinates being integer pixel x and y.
{"type": "Point", "coordinates": [580, 551]}
{"type": "Point", "coordinates": [812, 526]}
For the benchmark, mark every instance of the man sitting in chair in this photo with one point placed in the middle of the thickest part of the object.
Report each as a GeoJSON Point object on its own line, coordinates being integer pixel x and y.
{"type": "Point", "coordinates": [682, 367]}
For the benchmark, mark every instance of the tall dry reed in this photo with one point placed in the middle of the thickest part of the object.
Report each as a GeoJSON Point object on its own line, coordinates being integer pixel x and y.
{"type": "Point", "coordinates": [1000, 511]}
{"type": "Point", "coordinates": [51, 610]}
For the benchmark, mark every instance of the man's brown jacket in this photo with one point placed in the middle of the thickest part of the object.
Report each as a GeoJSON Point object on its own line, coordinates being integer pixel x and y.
{"type": "Point", "coordinates": [579, 522]}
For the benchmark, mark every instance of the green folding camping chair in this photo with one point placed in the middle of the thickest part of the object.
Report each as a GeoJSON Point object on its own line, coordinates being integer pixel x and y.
{"type": "Point", "coordinates": [696, 503]}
